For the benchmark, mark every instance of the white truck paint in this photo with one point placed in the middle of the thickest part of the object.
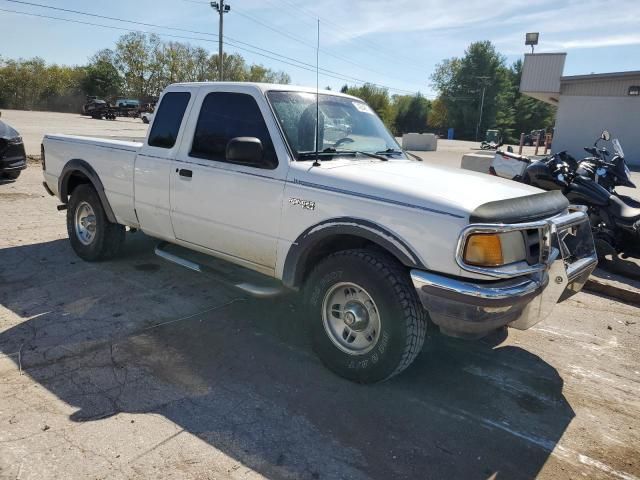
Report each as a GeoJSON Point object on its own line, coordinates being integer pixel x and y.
{"type": "Point", "coordinates": [260, 218]}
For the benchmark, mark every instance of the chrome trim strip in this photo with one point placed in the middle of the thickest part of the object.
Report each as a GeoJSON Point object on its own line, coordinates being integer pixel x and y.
{"type": "Point", "coordinates": [371, 197]}
{"type": "Point", "coordinates": [515, 289]}
{"type": "Point", "coordinates": [547, 228]}
{"type": "Point", "coordinates": [578, 267]}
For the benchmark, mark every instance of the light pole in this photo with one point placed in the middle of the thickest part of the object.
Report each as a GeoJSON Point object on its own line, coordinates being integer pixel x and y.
{"type": "Point", "coordinates": [484, 86]}
{"type": "Point", "coordinates": [221, 8]}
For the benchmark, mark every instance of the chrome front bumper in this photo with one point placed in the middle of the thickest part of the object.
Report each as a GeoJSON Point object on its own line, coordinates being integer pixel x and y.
{"type": "Point", "coordinates": [468, 308]}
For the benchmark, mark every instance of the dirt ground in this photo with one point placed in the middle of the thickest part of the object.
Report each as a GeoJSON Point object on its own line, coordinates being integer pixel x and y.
{"type": "Point", "coordinates": [32, 126]}
{"type": "Point", "coordinates": [136, 368]}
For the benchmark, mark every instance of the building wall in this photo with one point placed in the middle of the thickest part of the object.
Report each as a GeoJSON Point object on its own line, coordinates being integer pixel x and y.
{"type": "Point", "coordinates": [581, 119]}
{"type": "Point", "coordinates": [610, 87]}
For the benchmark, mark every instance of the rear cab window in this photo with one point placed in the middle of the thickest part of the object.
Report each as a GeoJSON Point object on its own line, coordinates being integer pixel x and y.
{"type": "Point", "coordinates": [168, 119]}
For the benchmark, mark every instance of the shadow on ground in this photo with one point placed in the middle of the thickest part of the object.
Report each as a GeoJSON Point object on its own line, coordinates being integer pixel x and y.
{"type": "Point", "coordinates": [137, 335]}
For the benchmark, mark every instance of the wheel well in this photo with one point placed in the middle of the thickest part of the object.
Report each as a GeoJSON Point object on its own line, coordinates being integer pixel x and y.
{"type": "Point", "coordinates": [333, 244]}
{"type": "Point", "coordinates": [75, 178]}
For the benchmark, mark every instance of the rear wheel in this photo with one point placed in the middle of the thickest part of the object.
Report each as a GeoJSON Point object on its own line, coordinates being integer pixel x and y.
{"type": "Point", "coordinates": [366, 320]}
{"type": "Point", "coordinates": [93, 237]}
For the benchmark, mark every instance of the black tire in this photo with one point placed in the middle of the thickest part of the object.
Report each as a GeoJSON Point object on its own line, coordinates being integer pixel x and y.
{"type": "Point", "coordinates": [145, 120]}
{"type": "Point", "coordinates": [403, 320]}
{"type": "Point", "coordinates": [13, 175]}
{"type": "Point", "coordinates": [108, 237]}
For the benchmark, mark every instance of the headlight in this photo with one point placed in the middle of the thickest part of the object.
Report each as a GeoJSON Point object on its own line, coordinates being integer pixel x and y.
{"type": "Point", "coordinates": [494, 249]}
{"type": "Point", "coordinates": [15, 141]}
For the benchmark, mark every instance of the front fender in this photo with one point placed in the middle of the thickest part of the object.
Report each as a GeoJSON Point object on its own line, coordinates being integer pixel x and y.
{"type": "Point", "coordinates": [294, 265]}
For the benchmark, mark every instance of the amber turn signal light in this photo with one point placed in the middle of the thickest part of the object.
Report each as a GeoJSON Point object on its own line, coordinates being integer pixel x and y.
{"type": "Point", "coordinates": [484, 250]}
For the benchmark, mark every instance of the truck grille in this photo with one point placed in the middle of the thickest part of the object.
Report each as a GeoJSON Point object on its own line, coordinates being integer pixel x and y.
{"type": "Point", "coordinates": [532, 245]}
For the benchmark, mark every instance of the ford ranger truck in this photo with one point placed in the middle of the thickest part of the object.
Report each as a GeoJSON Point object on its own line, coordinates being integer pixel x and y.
{"type": "Point", "coordinates": [381, 246]}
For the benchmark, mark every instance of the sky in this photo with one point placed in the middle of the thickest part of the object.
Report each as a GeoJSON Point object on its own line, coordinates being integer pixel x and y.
{"type": "Point", "coordinates": [393, 44]}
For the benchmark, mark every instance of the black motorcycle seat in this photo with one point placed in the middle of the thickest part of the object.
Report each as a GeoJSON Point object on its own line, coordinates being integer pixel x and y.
{"type": "Point", "coordinates": [521, 209]}
{"type": "Point", "coordinates": [622, 210]}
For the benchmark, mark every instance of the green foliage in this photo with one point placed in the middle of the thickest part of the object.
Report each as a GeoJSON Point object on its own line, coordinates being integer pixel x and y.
{"type": "Point", "coordinates": [400, 113]}
{"type": "Point", "coordinates": [376, 97]}
{"type": "Point", "coordinates": [33, 85]}
{"type": "Point", "coordinates": [460, 82]}
{"type": "Point", "coordinates": [410, 113]}
{"type": "Point", "coordinates": [140, 66]}
{"type": "Point", "coordinates": [530, 114]}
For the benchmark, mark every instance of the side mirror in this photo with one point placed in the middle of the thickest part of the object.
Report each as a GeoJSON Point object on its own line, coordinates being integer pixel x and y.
{"type": "Point", "coordinates": [245, 150]}
{"type": "Point", "coordinates": [606, 136]}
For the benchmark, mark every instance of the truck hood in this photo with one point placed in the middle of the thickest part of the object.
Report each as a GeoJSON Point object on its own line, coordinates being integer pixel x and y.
{"type": "Point", "coordinates": [445, 189]}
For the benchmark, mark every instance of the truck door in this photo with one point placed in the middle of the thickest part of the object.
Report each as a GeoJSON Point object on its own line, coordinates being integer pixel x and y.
{"type": "Point", "coordinates": [152, 172]}
{"type": "Point", "coordinates": [231, 209]}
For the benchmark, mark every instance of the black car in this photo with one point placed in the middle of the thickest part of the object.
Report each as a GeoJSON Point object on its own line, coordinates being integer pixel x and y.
{"type": "Point", "coordinates": [13, 158]}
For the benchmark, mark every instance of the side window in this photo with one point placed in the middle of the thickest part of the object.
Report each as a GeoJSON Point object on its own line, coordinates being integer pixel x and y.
{"type": "Point", "coordinates": [168, 119]}
{"type": "Point", "coordinates": [224, 116]}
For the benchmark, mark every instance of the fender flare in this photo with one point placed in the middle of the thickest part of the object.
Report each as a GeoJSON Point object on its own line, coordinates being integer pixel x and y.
{"type": "Point", "coordinates": [82, 166]}
{"type": "Point", "coordinates": [304, 245]}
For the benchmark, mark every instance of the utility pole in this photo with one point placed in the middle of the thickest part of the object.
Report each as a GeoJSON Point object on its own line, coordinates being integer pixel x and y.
{"type": "Point", "coordinates": [484, 86]}
{"type": "Point", "coordinates": [221, 8]}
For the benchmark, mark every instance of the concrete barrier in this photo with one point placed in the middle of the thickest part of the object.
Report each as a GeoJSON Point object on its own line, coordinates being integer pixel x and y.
{"type": "Point", "coordinates": [425, 142]}
{"type": "Point", "coordinates": [478, 162]}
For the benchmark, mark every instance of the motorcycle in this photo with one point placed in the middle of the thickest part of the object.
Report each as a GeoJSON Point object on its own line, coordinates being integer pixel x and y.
{"type": "Point", "coordinates": [608, 173]}
{"type": "Point", "coordinates": [615, 221]}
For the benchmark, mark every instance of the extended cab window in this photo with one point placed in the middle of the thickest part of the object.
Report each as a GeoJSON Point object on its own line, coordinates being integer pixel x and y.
{"type": "Point", "coordinates": [224, 116]}
{"type": "Point", "coordinates": [166, 124]}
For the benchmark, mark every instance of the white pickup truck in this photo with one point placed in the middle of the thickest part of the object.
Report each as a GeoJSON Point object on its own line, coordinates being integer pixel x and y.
{"type": "Point", "coordinates": [381, 245]}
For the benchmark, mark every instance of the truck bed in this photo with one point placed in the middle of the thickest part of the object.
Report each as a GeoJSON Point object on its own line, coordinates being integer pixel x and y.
{"type": "Point", "coordinates": [112, 160]}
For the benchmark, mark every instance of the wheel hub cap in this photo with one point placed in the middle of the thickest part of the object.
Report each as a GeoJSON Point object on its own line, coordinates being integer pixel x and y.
{"type": "Point", "coordinates": [351, 319]}
{"type": "Point", "coordinates": [85, 223]}
{"type": "Point", "coordinates": [356, 316]}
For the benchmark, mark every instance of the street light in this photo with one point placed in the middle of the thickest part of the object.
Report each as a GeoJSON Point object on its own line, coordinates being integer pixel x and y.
{"type": "Point", "coordinates": [531, 38]}
{"type": "Point", "coordinates": [221, 8]}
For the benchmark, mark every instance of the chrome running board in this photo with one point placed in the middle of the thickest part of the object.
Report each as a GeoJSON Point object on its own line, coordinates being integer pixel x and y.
{"type": "Point", "coordinates": [247, 281]}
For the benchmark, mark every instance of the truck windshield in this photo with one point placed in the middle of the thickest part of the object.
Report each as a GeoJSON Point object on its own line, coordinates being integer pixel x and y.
{"type": "Point", "coordinates": [346, 125]}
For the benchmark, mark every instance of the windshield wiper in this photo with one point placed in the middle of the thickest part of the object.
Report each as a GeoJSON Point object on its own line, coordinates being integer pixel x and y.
{"type": "Point", "coordinates": [330, 151]}
{"type": "Point", "coordinates": [394, 151]}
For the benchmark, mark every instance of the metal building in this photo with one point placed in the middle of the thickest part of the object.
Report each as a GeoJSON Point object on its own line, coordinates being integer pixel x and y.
{"type": "Point", "coordinates": [587, 104]}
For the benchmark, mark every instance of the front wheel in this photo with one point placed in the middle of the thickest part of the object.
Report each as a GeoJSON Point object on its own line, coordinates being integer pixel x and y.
{"type": "Point", "coordinates": [367, 323]}
{"type": "Point", "coordinates": [93, 237]}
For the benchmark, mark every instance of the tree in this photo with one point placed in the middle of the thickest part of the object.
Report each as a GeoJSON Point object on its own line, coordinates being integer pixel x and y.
{"type": "Point", "coordinates": [461, 82]}
{"type": "Point", "coordinates": [411, 113]}
{"type": "Point", "coordinates": [439, 116]}
{"type": "Point", "coordinates": [140, 66]}
{"type": "Point", "coordinates": [529, 113]}
{"type": "Point", "coordinates": [101, 79]}
{"type": "Point", "coordinates": [376, 97]}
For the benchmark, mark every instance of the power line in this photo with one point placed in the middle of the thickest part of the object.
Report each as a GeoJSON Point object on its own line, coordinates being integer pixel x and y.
{"type": "Point", "coordinates": [293, 37]}
{"type": "Point", "coordinates": [340, 29]}
{"type": "Point", "coordinates": [252, 48]}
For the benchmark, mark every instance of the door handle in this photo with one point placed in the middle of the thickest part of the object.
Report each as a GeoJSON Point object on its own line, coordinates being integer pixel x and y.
{"type": "Point", "coordinates": [183, 172]}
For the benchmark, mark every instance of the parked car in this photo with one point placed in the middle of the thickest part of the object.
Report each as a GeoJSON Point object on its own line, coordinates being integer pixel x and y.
{"type": "Point", "coordinates": [379, 245]}
{"type": "Point", "coordinates": [13, 158]}
{"type": "Point", "coordinates": [539, 135]}
{"type": "Point", "coordinates": [126, 107]}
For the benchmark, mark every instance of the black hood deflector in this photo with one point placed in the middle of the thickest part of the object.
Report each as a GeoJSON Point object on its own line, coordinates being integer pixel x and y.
{"type": "Point", "coordinates": [521, 209]}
